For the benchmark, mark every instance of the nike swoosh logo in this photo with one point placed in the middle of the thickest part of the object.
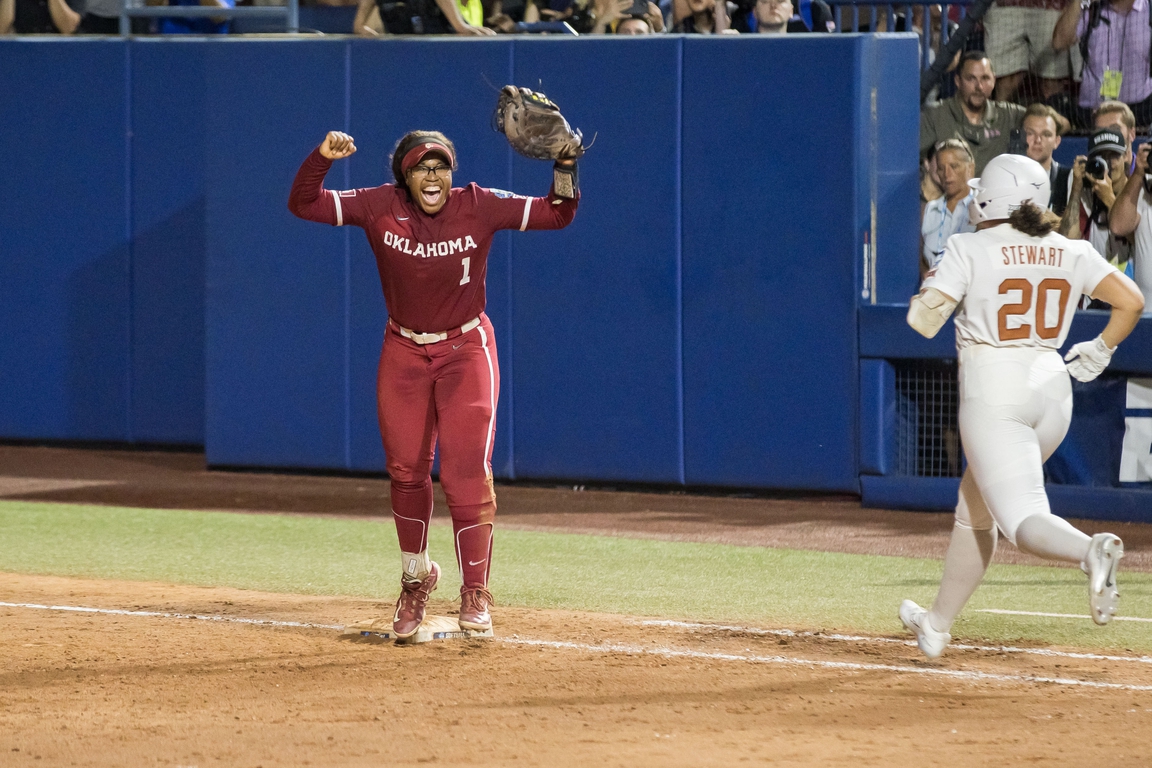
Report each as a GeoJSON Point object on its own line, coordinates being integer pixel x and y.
{"type": "Point", "coordinates": [477, 562]}
{"type": "Point", "coordinates": [457, 346]}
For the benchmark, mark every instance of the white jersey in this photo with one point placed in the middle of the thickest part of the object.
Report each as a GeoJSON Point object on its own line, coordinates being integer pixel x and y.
{"type": "Point", "coordinates": [1016, 290]}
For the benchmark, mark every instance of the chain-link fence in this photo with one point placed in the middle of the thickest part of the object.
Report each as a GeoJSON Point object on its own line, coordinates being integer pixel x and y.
{"type": "Point", "coordinates": [927, 427]}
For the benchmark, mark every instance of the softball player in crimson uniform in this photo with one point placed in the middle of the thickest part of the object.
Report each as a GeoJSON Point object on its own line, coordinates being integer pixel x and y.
{"type": "Point", "coordinates": [1017, 283]}
{"type": "Point", "coordinates": [438, 379]}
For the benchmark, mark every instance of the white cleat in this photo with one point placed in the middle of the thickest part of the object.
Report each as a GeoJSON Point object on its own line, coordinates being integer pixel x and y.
{"type": "Point", "coordinates": [1100, 564]}
{"type": "Point", "coordinates": [915, 619]}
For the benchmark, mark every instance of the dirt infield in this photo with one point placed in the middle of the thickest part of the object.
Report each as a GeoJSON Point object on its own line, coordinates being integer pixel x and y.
{"type": "Point", "coordinates": [113, 690]}
{"type": "Point", "coordinates": [113, 686]}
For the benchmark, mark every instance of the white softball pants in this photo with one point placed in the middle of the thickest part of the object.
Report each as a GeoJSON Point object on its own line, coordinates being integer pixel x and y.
{"type": "Point", "coordinates": [1015, 408]}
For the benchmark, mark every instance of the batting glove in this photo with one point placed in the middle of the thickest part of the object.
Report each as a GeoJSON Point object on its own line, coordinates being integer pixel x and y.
{"type": "Point", "coordinates": [1088, 359]}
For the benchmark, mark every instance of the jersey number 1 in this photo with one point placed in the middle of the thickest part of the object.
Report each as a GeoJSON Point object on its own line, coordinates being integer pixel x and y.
{"type": "Point", "coordinates": [1023, 330]}
{"type": "Point", "coordinates": [466, 262]}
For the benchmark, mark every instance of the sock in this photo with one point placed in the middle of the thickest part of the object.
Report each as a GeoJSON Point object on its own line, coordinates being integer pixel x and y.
{"type": "Point", "coordinates": [1053, 538]}
{"type": "Point", "coordinates": [412, 511]}
{"type": "Point", "coordinates": [969, 553]}
{"type": "Point", "coordinates": [473, 528]}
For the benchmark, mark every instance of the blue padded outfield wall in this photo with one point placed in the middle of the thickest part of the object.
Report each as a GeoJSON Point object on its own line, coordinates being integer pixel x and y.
{"type": "Point", "coordinates": [697, 324]}
{"type": "Point", "coordinates": [726, 310]}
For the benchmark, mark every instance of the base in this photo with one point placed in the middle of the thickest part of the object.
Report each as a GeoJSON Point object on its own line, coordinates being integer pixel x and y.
{"type": "Point", "coordinates": [432, 628]}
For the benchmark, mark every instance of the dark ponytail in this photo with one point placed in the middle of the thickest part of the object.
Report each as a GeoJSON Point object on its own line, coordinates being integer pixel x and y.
{"type": "Point", "coordinates": [1034, 221]}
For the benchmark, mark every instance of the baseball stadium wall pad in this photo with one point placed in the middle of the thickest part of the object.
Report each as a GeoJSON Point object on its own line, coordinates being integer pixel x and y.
{"type": "Point", "coordinates": [696, 325]}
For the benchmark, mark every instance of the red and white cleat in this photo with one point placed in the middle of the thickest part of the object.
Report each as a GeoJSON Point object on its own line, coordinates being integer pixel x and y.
{"type": "Point", "coordinates": [474, 602]}
{"type": "Point", "coordinates": [413, 600]}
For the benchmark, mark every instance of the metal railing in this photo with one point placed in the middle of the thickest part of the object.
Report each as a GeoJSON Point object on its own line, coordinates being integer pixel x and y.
{"type": "Point", "coordinates": [874, 16]}
{"type": "Point", "coordinates": [289, 12]}
{"type": "Point", "coordinates": [850, 16]}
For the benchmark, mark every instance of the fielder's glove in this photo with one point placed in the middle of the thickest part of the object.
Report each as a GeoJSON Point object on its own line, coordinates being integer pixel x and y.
{"type": "Point", "coordinates": [534, 126]}
{"type": "Point", "coordinates": [1088, 359]}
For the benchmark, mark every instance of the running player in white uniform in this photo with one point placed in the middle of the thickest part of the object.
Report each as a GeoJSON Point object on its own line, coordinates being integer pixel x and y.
{"type": "Point", "coordinates": [1017, 284]}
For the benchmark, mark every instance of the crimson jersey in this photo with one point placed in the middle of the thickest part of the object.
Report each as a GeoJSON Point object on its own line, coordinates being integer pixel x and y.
{"type": "Point", "coordinates": [432, 268]}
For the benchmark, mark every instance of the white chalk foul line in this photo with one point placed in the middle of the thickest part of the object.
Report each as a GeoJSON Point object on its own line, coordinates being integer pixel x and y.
{"type": "Point", "coordinates": [1058, 615]}
{"type": "Point", "coordinates": [161, 615]}
{"type": "Point", "coordinates": [868, 639]}
{"type": "Point", "coordinates": [796, 662]}
{"type": "Point", "coordinates": [663, 652]}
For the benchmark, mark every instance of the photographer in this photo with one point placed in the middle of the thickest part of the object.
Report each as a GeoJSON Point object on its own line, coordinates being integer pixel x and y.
{"type": "Point", "coordinates": [1097, 181]}
{"type": "Point", "coordinates": [1114, 42]}
{"type": "Point", "coordinates": [1132, 216]}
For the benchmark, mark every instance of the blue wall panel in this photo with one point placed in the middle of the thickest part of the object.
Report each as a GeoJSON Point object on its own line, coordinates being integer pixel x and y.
{"type": "Point", "coordinates": [877, 417]}
{"type": "Point", "coordinates": [275, 339]}
{"type": "Point", "coordinates": [444, 89]}
{"type": "Point", "coordinates": [64, 262]}
{"type": "Point", "coordinates": [168, 249]}
{"type": "Point", "coordinates": [892, 155]}
{"type": "Point", "coordinates": [770, 245]}
{"type": "Point", "coordinates": [596, 312]}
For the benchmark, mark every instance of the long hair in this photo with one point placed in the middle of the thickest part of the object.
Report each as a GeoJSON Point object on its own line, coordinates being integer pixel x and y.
{"type": "Point", "coordinates": [411, 139]}
{"type": "Point", "coordinates": [1034, 221]}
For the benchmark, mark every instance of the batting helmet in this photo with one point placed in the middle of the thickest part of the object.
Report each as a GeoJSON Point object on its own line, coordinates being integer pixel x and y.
{"type": "Point", "coordinates": [1008, 182]}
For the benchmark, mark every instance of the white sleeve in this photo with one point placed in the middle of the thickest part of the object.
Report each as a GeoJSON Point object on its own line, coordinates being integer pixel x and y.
{"type": "Point", "coordinates": [1091, 268]}
{"type": "Point", "coordinates": [952, 276]}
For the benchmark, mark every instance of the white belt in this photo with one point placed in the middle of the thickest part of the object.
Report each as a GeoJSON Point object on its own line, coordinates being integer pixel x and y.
{"type": "Point", "coordinates": [432, 338]}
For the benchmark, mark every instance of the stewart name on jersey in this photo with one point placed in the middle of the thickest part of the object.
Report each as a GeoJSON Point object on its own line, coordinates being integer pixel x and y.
{"type": "Point", "coordinates": [432, 268]}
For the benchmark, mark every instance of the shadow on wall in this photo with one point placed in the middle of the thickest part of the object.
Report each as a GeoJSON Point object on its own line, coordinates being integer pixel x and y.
{"type": "Point", "coordinates": [97, 354]}
{"type": "Point", "coordinates": [135, 352]}
{"type": "Point", "coordinates": [167, 362]}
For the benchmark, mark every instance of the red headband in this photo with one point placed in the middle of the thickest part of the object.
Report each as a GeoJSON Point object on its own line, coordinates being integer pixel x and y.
{"type": "Point", "coordinates": [418, 153]}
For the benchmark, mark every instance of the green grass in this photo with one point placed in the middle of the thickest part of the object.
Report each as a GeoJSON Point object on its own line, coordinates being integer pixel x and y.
{"type": "Point", "coordinates": [704, 582]}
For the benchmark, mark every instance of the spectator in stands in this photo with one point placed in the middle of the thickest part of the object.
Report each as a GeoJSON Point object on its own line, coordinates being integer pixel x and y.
{"type": "Point", "coordinates": [629, 17]}
{"type": "Point", "coordinates": [948, 214]}
{"type": "Point", "coordinates": [1018, 39]}
{"type": "Point", "coordinates": [1114, 39]}
{"type": "Point", "coordinates": [32, 17]}
{"type": "Point", "coordinates": [216, 25]}
{"type": "Point", "coordinates": [930, 188]}
{"type": "Point", "coordinates": [419, 17]}
{"type": "Point", "coordinates": [503, 15]}
{"type": "Point", "coordinates": [971, 114]}
{"type": "Point", "coordinates": [581, 15]}
{"type": "Point", "coordinates": [1132, 216]}
{"type": "Point", "coordinates": [777, 17]}
{"type": "Point", "coordinates": [1097, 181]}
{"type": "Point", "coordinates": [642, 25]}
{"type": "Point", "coordinates": [102, 17]}
{"type": "Point", "coordinates": [1044, 128]}
{"type": "Point", "coordinates": [704, 17]}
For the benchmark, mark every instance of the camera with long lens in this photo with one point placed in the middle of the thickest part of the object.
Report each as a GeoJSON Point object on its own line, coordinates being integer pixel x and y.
{"type": "Point", "coordinates": [1097, 168]}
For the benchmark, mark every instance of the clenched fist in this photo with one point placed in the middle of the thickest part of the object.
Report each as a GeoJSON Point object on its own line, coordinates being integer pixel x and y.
{"type": "Point", "coordinates": [337, 145]}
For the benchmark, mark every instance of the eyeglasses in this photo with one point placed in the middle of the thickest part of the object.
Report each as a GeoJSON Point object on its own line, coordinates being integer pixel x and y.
{"type": "Point", "coordinates": [432, 170]}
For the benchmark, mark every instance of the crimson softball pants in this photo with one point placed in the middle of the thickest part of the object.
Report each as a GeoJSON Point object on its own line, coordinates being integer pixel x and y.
{"type": "Point", "coordinates": [443, 393]}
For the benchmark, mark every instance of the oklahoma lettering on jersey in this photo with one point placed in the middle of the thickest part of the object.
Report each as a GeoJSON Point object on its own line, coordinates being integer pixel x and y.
{"type": "Point", "coordinates": [432, 268]}
{"type": "Point", "coordinates": [1016, 290]}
